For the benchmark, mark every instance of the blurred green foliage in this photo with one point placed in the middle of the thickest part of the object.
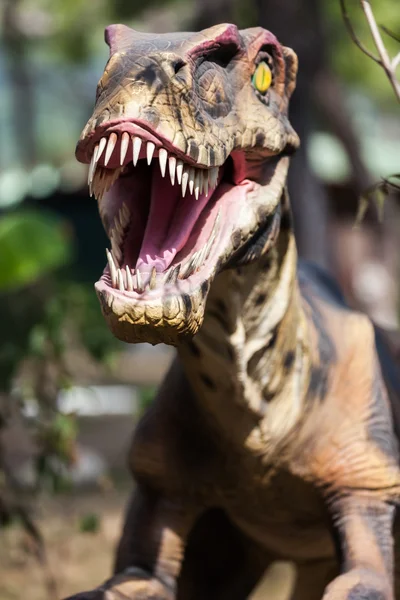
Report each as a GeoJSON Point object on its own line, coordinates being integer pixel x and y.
{"type": "Point", "coordinates": [147, 395]}
{"type": "Point", "coordinates": [55, 435]}
{"type": "Point", "coordinates": [89, 523]}
{"type": "Point", "coordinates": [354, 68]}
{"type": "Point", "coordinates": [73, 28]}
{"type": "Point", "coordinates": [76, 32]}
{"type": "Point", "coordinates": [61, 50]}
{"type": "Point", "coordinates": [32, 244]}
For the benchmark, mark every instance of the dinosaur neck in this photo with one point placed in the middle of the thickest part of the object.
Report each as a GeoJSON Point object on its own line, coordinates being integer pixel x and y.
{"type": "Point", "coordinates": [251, 351]}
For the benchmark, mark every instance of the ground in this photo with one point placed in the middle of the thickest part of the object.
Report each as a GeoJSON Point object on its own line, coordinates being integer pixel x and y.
{"type": "Point", "coordinates": [78, 560]}
{"type": "Point", "coordinates": [81, 560]}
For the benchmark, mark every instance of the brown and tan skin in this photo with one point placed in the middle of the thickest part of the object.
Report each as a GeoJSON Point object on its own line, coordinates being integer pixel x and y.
{"type": "Point", "coordinates": [272, 436]}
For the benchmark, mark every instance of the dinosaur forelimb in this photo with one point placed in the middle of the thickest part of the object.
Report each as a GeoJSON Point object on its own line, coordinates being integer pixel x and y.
{"type": "Point", "coordinates": [150, 552]}
{"type": "Point", "coordinates": [364, 527]}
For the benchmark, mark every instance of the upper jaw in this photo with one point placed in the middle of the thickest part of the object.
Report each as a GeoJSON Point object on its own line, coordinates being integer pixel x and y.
{"type": "Point", "coordinates": [189, 153]}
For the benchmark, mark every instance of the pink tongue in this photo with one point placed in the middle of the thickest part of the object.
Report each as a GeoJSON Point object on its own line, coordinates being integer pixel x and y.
{"type": "Point", "coordinates": [171, 219]}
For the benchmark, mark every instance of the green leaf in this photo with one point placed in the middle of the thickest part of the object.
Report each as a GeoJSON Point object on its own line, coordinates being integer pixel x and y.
{"type": "Point", "coordinates": [31, 245]}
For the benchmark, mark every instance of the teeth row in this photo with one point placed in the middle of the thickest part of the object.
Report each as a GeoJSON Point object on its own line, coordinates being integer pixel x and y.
{"type": "Point", "coordinates": [201, 255]}
{"type": "Point", "coordinates": [102, 181]}
{"type": "Point", "coordinates": [127, 279]}
{"type": "Point", "coordinates": [189, 178]}
{"type": "Point", "coordinates": [118, 231]}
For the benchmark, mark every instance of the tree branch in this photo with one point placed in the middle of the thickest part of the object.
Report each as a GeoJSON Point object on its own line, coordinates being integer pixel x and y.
{"type": "Point", "coordinates": [385, 61]}
{"type": "Point", "coordinates": [353, 34]}
{"type": "Point", "coordinates": [396, 62]}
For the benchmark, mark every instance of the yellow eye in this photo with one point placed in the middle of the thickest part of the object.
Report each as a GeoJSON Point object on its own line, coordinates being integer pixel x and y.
{"type": "Point", "coordinates": [262, 77]}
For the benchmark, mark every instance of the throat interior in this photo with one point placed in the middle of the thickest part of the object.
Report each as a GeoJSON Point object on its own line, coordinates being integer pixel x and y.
{"type": "Point", "coordinates": [160, 219]}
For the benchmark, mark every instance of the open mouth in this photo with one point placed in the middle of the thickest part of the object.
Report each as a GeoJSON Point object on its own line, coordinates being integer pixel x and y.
{"type": "Point", "coordinates": [161, 211]}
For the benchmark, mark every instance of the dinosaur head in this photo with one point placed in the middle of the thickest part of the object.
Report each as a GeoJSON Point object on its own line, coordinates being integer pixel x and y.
{"type": "Point", "coordinates": [187, 146]}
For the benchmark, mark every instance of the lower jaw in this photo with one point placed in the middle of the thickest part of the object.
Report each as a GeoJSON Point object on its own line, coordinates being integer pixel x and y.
{"type": "Point", "coordinates": [168, 320]}
{"type": "Point", "coordinates": [171, 316]}
{"type": "Point", "coordinates": [173, 310]}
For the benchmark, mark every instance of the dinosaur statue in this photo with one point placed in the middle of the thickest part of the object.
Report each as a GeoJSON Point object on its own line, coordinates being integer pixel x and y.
{"type": "Point", "coordinates": [273, 435]}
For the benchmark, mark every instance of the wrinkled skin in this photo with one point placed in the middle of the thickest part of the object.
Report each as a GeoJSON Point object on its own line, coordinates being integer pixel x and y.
{"type": "Point", "coordinates": [273, 435]}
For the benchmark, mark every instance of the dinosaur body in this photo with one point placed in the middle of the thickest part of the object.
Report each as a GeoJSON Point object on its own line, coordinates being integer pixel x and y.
{"type": "Point", "coordinates": [272, 436]}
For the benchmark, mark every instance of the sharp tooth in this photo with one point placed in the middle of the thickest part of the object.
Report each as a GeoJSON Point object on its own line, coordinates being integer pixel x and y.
{"type": "Point", "coordinates": [192, 174]}
{"type": "Point", "coordinates": [116, 263]}
{"type": "Point", "coordinates": [150, 151]}
{"type": "Point", "coordinates": [120, 222]}
{"type": "Point", "coordinates": [172, 274]}
{"type": "Point", "coordinates": [172, 167]}
{"type": "Point", "coordinates": [124, 214]}
{"type": "Point", "coordinates": [98, 185]}
{"type": "Point", "coordinates": [124, 147]}
{"type": "Point", "coordinates": [162, 157]}
{"type": "Point", "coordinates": [199, 257]}
{"type": "Point", "coordinates": [208, 247]}
{"type": "Point", "coordinates": [102, 145]}
{"type": "Point", "coordinates": [139, 285]}
{"type": "Point", "coordinates": [191, 266]}
{"type": "Point", "coordinates": [179, 171]}
{"type": "Point", "coordinates": [111, 178]}
{"type": "Point", "coordinates": [175, 273]}
{"type": "Point", "coordinates": [185, 178]}
{"type": "Point", "coordinates": [92, 168]}
{"type": "Point", "coordinates": [167, 275]}
{"type": "Point", "coordinates": [137, 144]}
{"type": "Point", "coordinates": [115, 241]}
{"type": "Point", "coordinates": [103, 181]}
{"type": "Point", "coordinates": [129, 280]}
{"type": "Point", "coordinates": [126, 210]}
{"type": "Point", "coordinates": [198, 183]}
{"type": "Point", "coordinates": [115, 235]}
{"type": "Point", "coordinates": [120, 281]}
{"type": "Point", "coordinates": [118, 228]}
{"type": "Point", "coordinates": [112, 267]}
{"type": "Point", "coordinates": [153, 279]}
{"type": "Point", "coordinates": [212, 236]}
{"type": "Point", "coordinates": [205, 182]}
{"type": "Point", "coordinates": [202, 254]}
{"type": "Point", "coordinates": [213, 176]}
{"type": "Point", "coordinates": [112, 140]}
{"type": "Point", "coordinates": [121, 219]}
{"type": "Point", "coordinates": [216, 223]}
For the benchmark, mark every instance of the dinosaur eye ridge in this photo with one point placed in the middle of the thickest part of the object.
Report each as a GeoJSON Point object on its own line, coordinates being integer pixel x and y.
{"type": "Point", "coordinates": [262, 78]}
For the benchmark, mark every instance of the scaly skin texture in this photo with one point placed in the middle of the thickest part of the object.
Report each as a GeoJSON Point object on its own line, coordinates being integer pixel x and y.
{"type": "Point", "coordinates": [272, 436]}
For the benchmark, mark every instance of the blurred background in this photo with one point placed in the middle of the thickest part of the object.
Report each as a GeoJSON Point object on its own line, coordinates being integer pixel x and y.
{"type": "Point", "coordinates": [69, 393]}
